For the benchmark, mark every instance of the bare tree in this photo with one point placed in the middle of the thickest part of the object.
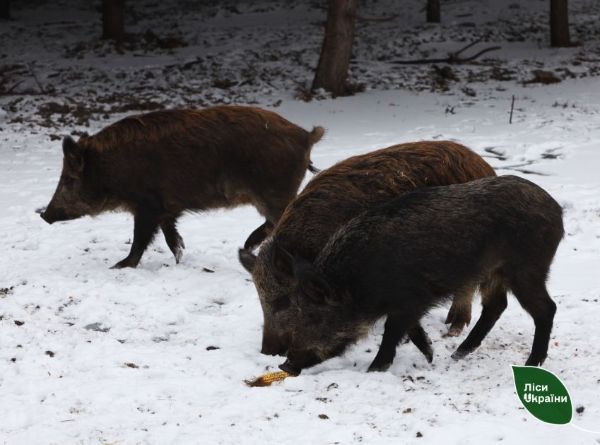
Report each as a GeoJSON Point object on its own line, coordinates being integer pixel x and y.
{"type": "Point", "coordinates": [559, 23]}
{"type": "Point", "coordinates": [4, 9]}
{"type": "Point", "coordinates": [113, 26]}
{"type": "Point", "coordinates": [334, 60]}
{"type": "Point", "coordinates": [433, 11]}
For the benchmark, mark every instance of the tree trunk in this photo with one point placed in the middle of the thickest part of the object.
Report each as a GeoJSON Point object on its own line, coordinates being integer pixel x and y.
{"type": "Point", "coordinates": [334, 60]}
{"type": "Point", "coordinates": [113, 19]}
{"type": "Point", "coordinates": [559, 23]}
{"type": "Point", "coordinates": [433, 11]}
{"type": "Point", "coordinates": [4, 9]}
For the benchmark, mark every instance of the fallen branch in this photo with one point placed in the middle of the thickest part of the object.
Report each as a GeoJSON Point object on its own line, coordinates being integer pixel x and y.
{"type": "Point", "coordinates": [453, 58]}
{"type": "Point", "coordinates": [13, 87]}
{"type": "Point", "coordinates": [464, 48]}
{"type": "Point", "coordinates": [483, 51]}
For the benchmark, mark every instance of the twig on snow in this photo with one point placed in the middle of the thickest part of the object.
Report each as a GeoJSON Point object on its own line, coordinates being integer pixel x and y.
{"type": "Point", "coordinates": [13, 87]}
{"type": "Point", "coordinates": [452, 57]}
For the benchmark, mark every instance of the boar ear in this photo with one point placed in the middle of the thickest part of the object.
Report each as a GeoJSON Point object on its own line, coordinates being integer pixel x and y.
{"type": "Point", "coordinates": [283, 261]}
{"type": "Point", "coordinates": [312, 283]}
{"type": "Point", "coordinates": [73, 154]}
{"type": "Point", "coordinates": [247, 258]}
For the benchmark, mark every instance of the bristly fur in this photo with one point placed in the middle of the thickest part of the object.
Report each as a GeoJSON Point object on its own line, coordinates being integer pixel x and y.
{"type": "Point", "coordinates": [160, 164]}
{"type": "Point", "coordinates": [340, 193]}
{"type": "Point", "coordinates": [403, 257]}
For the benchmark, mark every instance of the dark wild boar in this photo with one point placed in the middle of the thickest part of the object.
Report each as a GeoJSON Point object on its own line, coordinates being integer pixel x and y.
{"type": "Point", "coordinates": [340, 193]}
{"type": "Point", "coordinates": [161, 164]}
{"type": "Point", "coordinates": [402, 258]}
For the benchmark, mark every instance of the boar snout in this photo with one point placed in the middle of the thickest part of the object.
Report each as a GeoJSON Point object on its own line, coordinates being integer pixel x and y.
{"type": "Point", "coordinates": [51, 216]}
{"type": "Point", "coordinates": [289, 368]}
{"type": "Point", "coordinates": [299, 360]}
{"type": "Point", "coordinates": [44, 215]}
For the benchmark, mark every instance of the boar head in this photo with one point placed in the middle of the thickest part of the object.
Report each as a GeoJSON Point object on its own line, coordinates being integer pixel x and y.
{"type": "Point", "coordinates": [304, 313]}
{"type": "Point", "coordinates": [274, 289]}
{"type": "Point", "coordinates": [327, 319]}
{"type": "Point", "coordinates": [74, 196]}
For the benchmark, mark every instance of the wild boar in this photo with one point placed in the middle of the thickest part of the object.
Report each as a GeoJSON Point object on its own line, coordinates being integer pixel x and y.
{"type": "Point", "coordinates": [161, 164]}
{"type": "Point", "coordinates": [404, 257]}
{"type": "Point", "coordinates": [337, 195]}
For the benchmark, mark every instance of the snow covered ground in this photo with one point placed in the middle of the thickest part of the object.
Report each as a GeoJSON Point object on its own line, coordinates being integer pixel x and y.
{"type": "Point", "coordinates": [158, 354]}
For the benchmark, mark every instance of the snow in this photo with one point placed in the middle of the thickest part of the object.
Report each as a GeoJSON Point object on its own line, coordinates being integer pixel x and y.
{"type": "Point", "coordinates": [159, 354]}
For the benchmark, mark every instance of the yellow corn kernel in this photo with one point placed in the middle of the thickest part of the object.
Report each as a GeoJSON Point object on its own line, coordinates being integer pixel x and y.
{"type": "Point", "coordinates": [267, 378]}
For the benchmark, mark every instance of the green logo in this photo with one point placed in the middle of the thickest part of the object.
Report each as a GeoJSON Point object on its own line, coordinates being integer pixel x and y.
{"type": "Point", "coordinates": [543, 394]}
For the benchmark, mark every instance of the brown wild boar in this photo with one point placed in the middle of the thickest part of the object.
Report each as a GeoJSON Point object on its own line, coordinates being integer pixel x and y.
{"type": "Point", "coordinates": [340, 193]}
{"type": "Point", "coordinates": [161, 164]}
{"type": "Point", "coordinates": [408, 255]}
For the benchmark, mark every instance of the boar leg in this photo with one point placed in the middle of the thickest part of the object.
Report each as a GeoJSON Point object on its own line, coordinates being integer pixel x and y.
{"type": "Point", "coordinates": [459, 314]}
{"type": "Point", "coordinates": [421, 340]}
{"type": "Point", "coordinates": [144, 229]}
{"type": "Point", "coordinates": [173, 238]}
{"type": "Point", "coordinates": [258, 236]}
{"type": "Point", "coordinates": [393, 332]}
{"type": "Point", "coordinates": [493, 300]}
{"type": "Point", "coordinates": [533, 296]}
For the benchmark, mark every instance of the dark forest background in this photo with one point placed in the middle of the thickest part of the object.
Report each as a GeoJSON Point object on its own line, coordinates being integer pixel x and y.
{"type": "Point", "coordinates": [65, 62]}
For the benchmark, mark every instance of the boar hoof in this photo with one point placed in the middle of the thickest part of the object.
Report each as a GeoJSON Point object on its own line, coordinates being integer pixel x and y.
{"type": "Point", "coordinates": [379, 367]}
{"type": "Point", "coordinates": [455, 329]}
{"type": "Point", "coordinates": [535, 361]}
{"type": "Point", "coordinates": [428, 355]}
{"type": "Point", "coordinates": [124, 263]}
{"type": "Point", "coordinates": [178, 254]}
{"type": "Point", "coordinates": [459, 354]}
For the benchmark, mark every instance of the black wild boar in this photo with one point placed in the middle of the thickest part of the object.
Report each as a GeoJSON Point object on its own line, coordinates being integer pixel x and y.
{"type": "Point", "coordinates": [340, 193]}
{"type": "Point", "coordinates": [402, 258]}
{"type": "Point", "coordinates": [160, 164]}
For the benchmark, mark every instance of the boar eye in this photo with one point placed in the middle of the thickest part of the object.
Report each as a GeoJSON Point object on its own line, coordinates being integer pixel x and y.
{"type": "Point", "coordinates": [281, 303]}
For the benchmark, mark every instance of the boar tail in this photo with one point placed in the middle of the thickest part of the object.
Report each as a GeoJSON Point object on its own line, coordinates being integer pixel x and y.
{"type": "Point", "coordinates": [315, 135]}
